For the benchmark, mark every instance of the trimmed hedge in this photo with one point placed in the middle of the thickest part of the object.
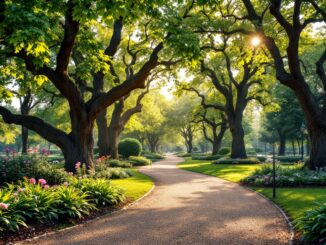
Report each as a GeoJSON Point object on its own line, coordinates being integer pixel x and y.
{"type": "Point", "coordinates": [251, 160]}
{"type": "Point", "coordinates": [139, 161]}
{"type": "Point", "coordinates": [152, 156]}
{"type": "Point", "coordinates": [118, 163]}
{"type": "Point", "coordinates": [129, 147]}
{"type": "Point", "coordinates": [224, 151]}
{"type": "Point", "coordinates": [291, 159]}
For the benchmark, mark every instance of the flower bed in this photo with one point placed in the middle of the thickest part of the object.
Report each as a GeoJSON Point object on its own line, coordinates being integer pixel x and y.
{"type": "Point", "coordinates": [286, 176]}
{"type": "Point", "coordinates": [33, 200]}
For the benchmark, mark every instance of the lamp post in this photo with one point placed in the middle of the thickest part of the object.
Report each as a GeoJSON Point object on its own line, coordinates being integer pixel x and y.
{"type": "Point", "coordinates": [274, 170]}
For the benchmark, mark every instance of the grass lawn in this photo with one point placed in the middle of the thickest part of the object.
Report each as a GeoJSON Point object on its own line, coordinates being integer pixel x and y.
{"type": "Point", "coordinates": [136, 186]}
{"type": "Point", "coordinates": [228, 172]}
{"type": "Point", "coordinates": [293, 200]}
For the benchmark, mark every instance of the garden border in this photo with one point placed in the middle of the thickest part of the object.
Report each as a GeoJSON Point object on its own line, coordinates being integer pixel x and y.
{"type": "Point", "coordinates": [125, 207]}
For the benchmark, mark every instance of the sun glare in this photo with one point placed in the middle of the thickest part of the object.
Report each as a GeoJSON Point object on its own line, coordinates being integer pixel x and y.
{"type": "Point", "coordinates": [255, 41]}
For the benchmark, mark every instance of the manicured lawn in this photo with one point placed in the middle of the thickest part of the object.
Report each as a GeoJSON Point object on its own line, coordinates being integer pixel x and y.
{"type": "Point", "coordinates": [293, 200]}
{"type": "Point", "coordinates": [296, 200]}
{"type": "Point", "coordinates": [228, 172]}
{"type": "Point", "coordinates": [136, 186]}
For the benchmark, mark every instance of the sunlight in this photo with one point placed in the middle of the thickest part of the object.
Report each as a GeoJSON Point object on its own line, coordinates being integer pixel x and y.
{"type": "Point", "coordinates": [255, 41]}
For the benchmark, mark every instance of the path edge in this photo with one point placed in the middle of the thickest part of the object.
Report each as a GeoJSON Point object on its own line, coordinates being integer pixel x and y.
{"type": "Point", "coordinates": [125, 207]}
{"type": "Point", "coordinates": [280, 209]}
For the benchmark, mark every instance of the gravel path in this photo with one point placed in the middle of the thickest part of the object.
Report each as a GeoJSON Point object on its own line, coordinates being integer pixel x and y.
{"type": "Point", "coordinates": [184, 208]}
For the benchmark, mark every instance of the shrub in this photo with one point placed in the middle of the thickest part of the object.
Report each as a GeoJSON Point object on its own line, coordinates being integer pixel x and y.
{"type": "Point", "coordinates": [286, 176]}
{"type": "Point", "coordinates": [11, 218]}
{"type": "Point", "coordinates": [290, 159]}
{"type": "Point", "coordinates": [139, 161]}
{"type": "Point", "coordinates": [129, 147]}
{"type": "Point", "coordinates": [313, 225]}
{"type": "Point", "coordinates": [112, 173]}
{"type": "Point", "coordinates": [152, 156]}
{"type": "Point", "coordinates": [214, 157]}
{"type": "Point", "coordinates": [251, 160]}
{"type": "Point", "coordinates": [101, 192]}
{"type": "Point", "coordinates": [72, 202]}
{"type": "Point", "coordinates": [252, 152]}
{"type": "Point", "coordinates": [15, 169]}
{"type": "Point", "coordinates": [224, 151]}
{"type": "Point", "coordinates": [118, 163]}
{"type": "Point", "coordinates": [260, 158]}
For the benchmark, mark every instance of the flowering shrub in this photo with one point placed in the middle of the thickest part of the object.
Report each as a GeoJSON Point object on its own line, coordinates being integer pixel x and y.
{"type": "Point", "coordinates": [31, 200]}
{"type": "Point", "coordinates": [12, 170]}
{"type": "Point", "coordinates": [286, 176]}
{"type": "Point", "coordinates": [249, 160]}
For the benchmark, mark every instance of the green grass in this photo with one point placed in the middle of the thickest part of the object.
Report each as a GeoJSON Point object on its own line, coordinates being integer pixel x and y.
{"type": "Point", "coordinates": [228, 172]}
{"type": "Point", "coordinates": [136, 186]}
{"type": "Point", "coordinates": [293, 200]}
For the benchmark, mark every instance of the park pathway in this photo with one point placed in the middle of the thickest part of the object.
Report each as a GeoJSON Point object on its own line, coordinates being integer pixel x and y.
{"type": "Point", "coordinates": [184, 208]}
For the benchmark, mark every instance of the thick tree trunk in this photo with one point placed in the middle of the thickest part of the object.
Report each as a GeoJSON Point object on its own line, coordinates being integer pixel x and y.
{"type": "Point", "coordinates": [103, 138]}
{"type": "Point", "coordinates": [189, 147]}
{"type": "Point", "coordinates": [113, 135]}
{"type": "Point", "coordinates": [238, 148]}
{"type": "Point", "coordinates": [317, 149]}
{"type": "Point", "coordinates": [281, 150]}
{"type": "Point", "coordinates": [217, 141]}
{"type": "Point", "coordinates": [307, 146]}
{"type": "Point", "coordinates": [24, 139]}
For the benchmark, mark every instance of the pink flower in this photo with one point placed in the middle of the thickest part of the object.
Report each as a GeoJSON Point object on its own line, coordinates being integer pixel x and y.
{"type": "Point", "coordinates": [77, 165]}
{"type": "Point", "coordinates": [42, 181]}
{"type": "Point", "coordinates": [32, 181]}
{"type": "Point", "coordinates": [3, 205]}
{"type": "Point", "coordinates": [46, 186]}
{"type": "Point", "coordinates": [71, 173]}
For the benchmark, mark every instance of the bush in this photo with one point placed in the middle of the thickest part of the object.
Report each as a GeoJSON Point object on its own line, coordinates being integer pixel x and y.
{"type": "Point", "coordinates": [101, 192]}
{"type": "Point", "coordinates": [72, 202]}
{"type": "Point", "coordinates": [252, 152]}
{"type": "Point", "coordinates": [251, 160]}
{"type": "Point", "coordinates": [289, 159]}
{"type": "Point", "coordinates": [12, 170]}
{"type": "Point", "coordinates": [313, 225]}
{"type": "Point", "coordinates": [214, 157]}
{"type": "Point", "coordinates": [260, 158]}
{"type": "Point", "coordinates": [152, 156]}
{"type": "Point", "coordinates": [29, 201]}
{"type": "Point", "coordinates": [286, 176]}
{"type": "Point", "coordinates": [139, 161]}
{"type": "Point", "coordinates": [118, 163]}
{"type": "Point", "coordinates": [112, 173]}
{"type": "Point", "coordinates": [224, 151]}
{"type": "Point", "coordinates": [129, 147]}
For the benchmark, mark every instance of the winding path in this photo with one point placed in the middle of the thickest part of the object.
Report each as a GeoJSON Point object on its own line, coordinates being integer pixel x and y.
{"type": "Point", "coordinates": [184, 208]}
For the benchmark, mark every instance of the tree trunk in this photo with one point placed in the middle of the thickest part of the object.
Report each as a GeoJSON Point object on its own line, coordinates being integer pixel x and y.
{"type": "Point", "coordinates": [103, 138]}
{"type": "Point", "coordinates": [113, 135]}
{"type": "Point", "coordinates": [281, 150]}
{"type": "Point", "coordinates": [238, 148]}
{"type": "Point", "coordinates": [189, 146]}
{"type": "Point", "coordinates": [307, 145]}
{"type": "Point", "coordinates": [217, 141]}
{"type": "Point", "coordinates": [24, 139]}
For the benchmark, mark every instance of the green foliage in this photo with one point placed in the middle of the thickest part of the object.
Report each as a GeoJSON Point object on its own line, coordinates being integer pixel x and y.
{"type": "Point", "coordinates": [112, 173]}
{"type": "Point", "coordinates": [118, 163]}
{"type": "Point", "coordinates": [100, 191]}
{"type": "Point", "coordinates": [129, 147]}
{"type": "Point", "coordinates": [286, 176]}
{"type": "Point", "coordinates": [250, 160]}
{"type": "Point", "coordinates": [19, 167]}
{"type": "Point", "coordinates": [288, 159]}
{"type": "Point", "coordinates": [152, 156]}
{"type": "Point", "coordinates": [224, 151]}
{"type": "Point", "coordinates": [139, 161]}
{"type": "Point", "coordinates": [313, 225]}
{"type": "Point", "coordinates": [72, 202]}
{"type": "Point", "coordinates": [214, 157]}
